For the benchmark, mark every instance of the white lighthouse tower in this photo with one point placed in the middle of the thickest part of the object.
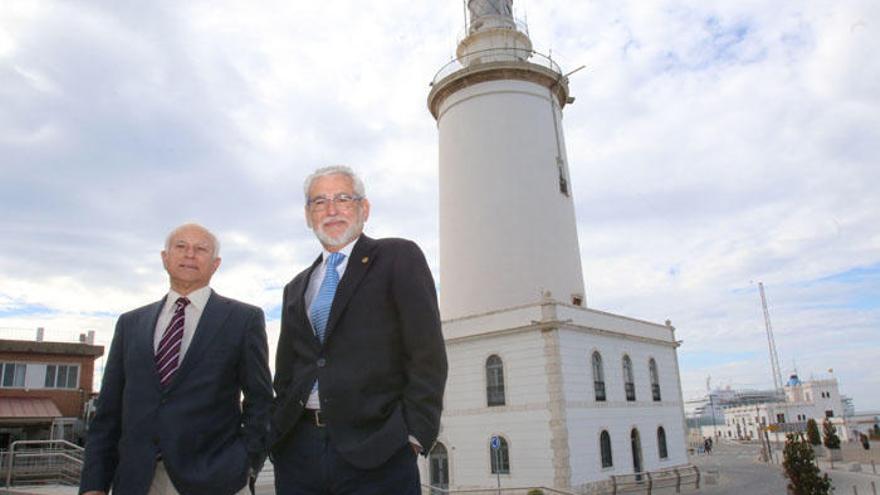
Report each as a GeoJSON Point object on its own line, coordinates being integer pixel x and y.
{"type": "Point", "coordinates": [542, 391]}
{"type": "Point", "coordinates": [507, 225]}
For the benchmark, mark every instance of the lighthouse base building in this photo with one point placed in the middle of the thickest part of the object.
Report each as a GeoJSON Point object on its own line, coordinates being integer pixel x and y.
{"type": "Point", "coordinates": [573, 396]}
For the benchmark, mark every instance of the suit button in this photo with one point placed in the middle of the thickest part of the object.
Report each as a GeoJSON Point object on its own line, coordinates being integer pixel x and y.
{"type": "Point", "coordinates": [322, 362]}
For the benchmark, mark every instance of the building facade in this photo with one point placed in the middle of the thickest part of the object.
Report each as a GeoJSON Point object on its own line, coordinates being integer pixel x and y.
{"type": "Point", "coordinates": [574, 395]}
{"type": "Point", "coordinates": [44, 389]}
{"type": "Point", "coordinates": [813, 399]}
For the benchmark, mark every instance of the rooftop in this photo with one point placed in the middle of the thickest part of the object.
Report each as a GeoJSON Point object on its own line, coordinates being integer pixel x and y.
{"type": "Point", "coordinates": [41, 347]}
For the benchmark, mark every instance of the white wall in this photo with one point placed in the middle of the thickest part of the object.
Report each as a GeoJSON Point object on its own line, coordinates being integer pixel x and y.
{"type": "Point", "coordinates": [468, 423]}
{"type": "Point", "coordinates": [506, 232]}
{"type": "Point", "coordinates": [587, 417]}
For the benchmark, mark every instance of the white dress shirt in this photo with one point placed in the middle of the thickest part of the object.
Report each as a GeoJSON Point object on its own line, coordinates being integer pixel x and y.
{"type": "Point", "coordinates": [191, 315]}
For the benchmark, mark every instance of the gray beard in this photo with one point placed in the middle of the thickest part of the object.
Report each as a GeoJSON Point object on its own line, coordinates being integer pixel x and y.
{"type": "Point", "coordinates": [351, 233]}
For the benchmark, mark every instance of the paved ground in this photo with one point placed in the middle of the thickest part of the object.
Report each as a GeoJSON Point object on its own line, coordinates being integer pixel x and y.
{"type": "Point", "coordinates": [739, 472]}
{"type": "Point", "coordinates": [731, 469]}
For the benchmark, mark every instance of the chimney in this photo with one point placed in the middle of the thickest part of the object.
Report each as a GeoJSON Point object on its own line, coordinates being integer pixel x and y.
{"type": "Point", "coordinates": [40, 332]}
{"type": "Point", "coordinates": [91, 337]}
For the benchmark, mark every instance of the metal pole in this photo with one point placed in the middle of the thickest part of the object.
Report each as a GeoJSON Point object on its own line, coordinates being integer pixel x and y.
{"type": "Point", "coordinates": [498, 468]}
{"type": "Point", "coordinates": [11, 455]}
{"type": "Point", "coordinates": [873, 488]}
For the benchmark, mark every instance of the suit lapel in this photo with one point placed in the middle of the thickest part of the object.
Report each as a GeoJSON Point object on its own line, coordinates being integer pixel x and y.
{"type": "Point", "coordinates": [358, 264]}
{"type": "Point", "coordinates": [147, 333]}
{"type": "Point", "coordinates": [215, 313]}
{"type": "Point", "coordinates": [298, 309]}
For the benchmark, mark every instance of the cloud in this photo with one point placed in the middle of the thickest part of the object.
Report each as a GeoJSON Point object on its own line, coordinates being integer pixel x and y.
{"type": "Point", "coordinates": [711, 144]}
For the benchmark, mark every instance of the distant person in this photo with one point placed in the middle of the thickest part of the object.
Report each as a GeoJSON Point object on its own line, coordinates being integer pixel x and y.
{"type": "Point", "coordinates": [707, 445]}
{"type": "Point", "coordinates": [170, 419]}
{"type": "Point", "coordinates": [865, 443]}
{"type": "Point", "coordinates": [361, 362]}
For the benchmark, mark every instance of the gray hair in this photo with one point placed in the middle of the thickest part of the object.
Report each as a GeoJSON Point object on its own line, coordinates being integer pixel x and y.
{"type": "Point", "coordinates": [335, 170]}
{"type": "Point", "coordinates": [215, 243]}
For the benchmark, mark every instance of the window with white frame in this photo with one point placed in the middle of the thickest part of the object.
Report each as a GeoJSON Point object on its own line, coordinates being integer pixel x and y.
{"type": "Point", "coordinates": [500, 457]}
{"type": "Point", "coordinates": [629, 385]}
{"type": "Point", "coordinates": [598, 377]}
{"type": "Point", "coordinates": [494, 381]}
{"type": "Point", "coordinates": [662, 451]}
{"type": "Point", "coordinates": [13, 375]}
{"type": "Point", "coordinates": [605, 448]}
{"type": "Point", "coordinates": [655, 379]}
{"type": "Point", "coordinates": [62, 376]}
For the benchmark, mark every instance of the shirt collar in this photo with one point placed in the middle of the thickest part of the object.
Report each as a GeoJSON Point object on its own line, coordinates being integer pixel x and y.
{"type": "Point", "coordinates": [345, 250]}
{"type": "Point", "coordinates": [197, 298]}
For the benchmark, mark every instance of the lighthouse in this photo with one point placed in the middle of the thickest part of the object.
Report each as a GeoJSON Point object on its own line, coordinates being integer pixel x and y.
{"type": "Point", "coordinates": [542, 390]}
{"type": "Point", "coordinates": [507, 226]}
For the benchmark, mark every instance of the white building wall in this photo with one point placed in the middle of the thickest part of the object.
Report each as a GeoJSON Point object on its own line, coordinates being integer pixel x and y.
{"type": "Point", "coordinates": [469, 424]}
{"type": "Point", "coordinates": [588, 417]}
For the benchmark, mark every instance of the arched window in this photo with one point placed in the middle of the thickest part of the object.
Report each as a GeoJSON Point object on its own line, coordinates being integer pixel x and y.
{"type": "Point", "coordinates": [500, 456]}
{"type": "Point", "coordinates": [438, 462]}
{"type": "Point", "coordinates": [661, 443]}
{"type": "Point", "coordinates": [655, 379]}
{"type": "Point", "coordinates": [605, 448]}
{"type": "Point", "coordinates": [628, 381]}
{"type": "Point", "coordinates": [494, 381]}
{"type": "Point", "coordinates": [636, 446]}
{"type": "Point", "coordinates": [598, 377]}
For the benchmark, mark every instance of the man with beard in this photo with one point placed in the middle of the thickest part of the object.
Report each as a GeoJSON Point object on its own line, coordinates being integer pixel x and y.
{"type": "Point", "coordinates": [361, 363]}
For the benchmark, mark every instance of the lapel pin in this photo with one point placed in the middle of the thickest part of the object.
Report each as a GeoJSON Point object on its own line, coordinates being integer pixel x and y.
{"type": "Point", "coordinates": [365, 259]}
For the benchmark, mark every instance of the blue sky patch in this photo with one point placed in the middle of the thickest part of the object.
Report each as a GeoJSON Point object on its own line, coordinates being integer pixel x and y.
{"type": "Point", "coordinates": [26, 310]}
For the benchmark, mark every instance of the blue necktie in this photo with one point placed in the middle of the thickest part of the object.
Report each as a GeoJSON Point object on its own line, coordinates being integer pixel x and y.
{"type": "Point", "coordinates": [320, 310]}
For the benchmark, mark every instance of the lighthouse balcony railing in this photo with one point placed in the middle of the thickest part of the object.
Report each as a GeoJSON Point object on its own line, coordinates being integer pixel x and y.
{"type": "Point", "coordinates": [474, 60]}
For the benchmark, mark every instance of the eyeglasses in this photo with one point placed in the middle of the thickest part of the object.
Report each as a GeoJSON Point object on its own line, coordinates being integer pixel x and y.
{"type": "Point", "coordinates": [341, 201]}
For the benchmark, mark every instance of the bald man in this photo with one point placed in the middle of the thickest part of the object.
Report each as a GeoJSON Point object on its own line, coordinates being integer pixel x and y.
{"type": "Point", "coordinates": [170, 419]}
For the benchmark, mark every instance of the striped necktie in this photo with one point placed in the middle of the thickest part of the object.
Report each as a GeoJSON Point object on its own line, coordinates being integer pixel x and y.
{"type": "Point", "coordinates": [320, 310]}
{"type": "Point", "coordinates": [168, 353]}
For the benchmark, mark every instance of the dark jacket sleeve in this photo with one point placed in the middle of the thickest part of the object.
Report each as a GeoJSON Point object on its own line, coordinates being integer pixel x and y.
{"type": "Point", "coordinates": [282, 356]}
{"type": "Point", "coordinates": [256, 385]}
{"type": "Point", "coordinates": [102, 455]}
{"type": "Point", "coordinates": [424, 349]}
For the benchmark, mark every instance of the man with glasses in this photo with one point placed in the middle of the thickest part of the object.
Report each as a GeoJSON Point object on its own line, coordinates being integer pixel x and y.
{"type": "Point", "coordinates": [361, 363]}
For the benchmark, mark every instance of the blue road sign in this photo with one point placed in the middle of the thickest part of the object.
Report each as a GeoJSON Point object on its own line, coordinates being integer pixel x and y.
{"type": "Point", "coordinates": [496, 443]}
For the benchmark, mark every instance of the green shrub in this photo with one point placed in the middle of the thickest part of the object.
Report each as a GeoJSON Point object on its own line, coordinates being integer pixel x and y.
{"type": "Point", "coordinates": [831, 440]}
{"type": "Point", "coordinates": [535, 491]}
{"type": "Point", "coordinates": [800, 468]}
{"type": "Point", "coordinates": [813, 432]}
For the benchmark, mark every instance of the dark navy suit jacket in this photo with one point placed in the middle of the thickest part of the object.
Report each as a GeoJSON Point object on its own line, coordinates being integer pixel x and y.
{"type": "Point", "coordinates": [207, 437]}
{"type": "Point", "coordinates": [382, 367]}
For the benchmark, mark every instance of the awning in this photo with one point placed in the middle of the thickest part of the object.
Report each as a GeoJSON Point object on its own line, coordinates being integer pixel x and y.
{"type": "Point", "coordinates": [23, 410]}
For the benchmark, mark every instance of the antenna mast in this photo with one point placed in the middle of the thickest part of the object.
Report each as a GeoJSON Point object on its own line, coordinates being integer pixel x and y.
{"type": "Point", "coordinates": [771, 342]}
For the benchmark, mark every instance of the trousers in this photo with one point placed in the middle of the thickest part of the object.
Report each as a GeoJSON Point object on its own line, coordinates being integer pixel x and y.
{"type": "Point", "coordinates": [306, 463]}
{"type": "Point", "coordinates": [162, 483]}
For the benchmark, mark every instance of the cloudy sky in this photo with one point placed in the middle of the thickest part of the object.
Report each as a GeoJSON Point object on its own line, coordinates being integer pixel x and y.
{"type": "Point", "coordinates": [713, 144]}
